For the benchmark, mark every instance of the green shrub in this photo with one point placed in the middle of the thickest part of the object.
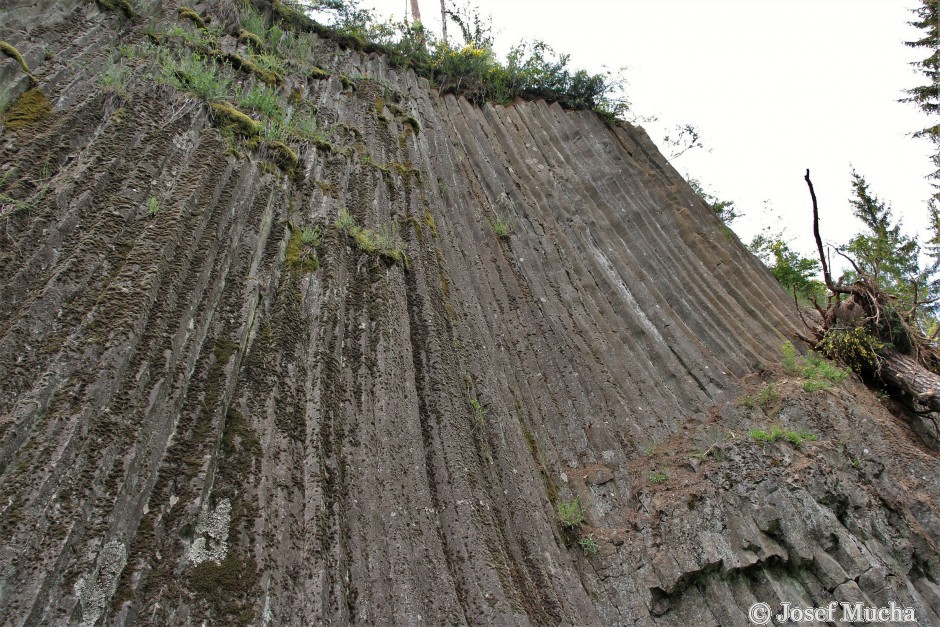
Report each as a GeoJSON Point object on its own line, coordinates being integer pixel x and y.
{"type": "Point", "coordinates": [153, 206]}
{"type": "Point", "coordinates": [656, 477]}
{"type": "Point", "coordinates": [856, 348]}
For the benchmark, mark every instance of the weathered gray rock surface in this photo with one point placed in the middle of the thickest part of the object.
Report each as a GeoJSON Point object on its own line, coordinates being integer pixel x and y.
{"type": "Point", "coordinates": [195, 427]}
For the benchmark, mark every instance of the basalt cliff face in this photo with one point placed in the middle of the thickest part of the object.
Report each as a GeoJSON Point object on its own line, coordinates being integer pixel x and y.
{"type": "Point", "coordinates": [219, 405]}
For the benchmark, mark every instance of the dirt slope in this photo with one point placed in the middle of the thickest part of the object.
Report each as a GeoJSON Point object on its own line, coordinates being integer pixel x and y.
{"type": "Point", "coordinates": [198, 425]}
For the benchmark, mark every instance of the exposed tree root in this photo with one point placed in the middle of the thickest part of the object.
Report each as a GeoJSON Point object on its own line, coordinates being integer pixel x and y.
{"type": "Point", "coordinates": [913, 376]}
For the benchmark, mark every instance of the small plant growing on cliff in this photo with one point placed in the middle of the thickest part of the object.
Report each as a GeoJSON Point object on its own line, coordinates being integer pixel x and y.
{"type": "Point", "coordinates": [768, 396]}
{"type": "Point", "coordinates": [771, 435]}
{"type": "Point", "coordinates": [818, 373]}
{"type": "Point", "coordinates": [588, 545]}
{"type": "Point", "coordinates": [657, 477]}
{"type": "Point", "coordinates": [503, 227]}
{"type": "Point", "coordinates": [570, 514]}
{"type": "Point", "coordinates": [115, 77]}
{"type": "Point", "coordinates": [748, 401]}
{"type": "Point", "coordinates": [345, 220]}
{"type": "Point", "coordinates": [479, 409]}
{"type": "Point", "coordinates": [195, 73]}
{"type": "Point", "coordinates": [311, 235]}
{"type": "Point", "coordinates": [153, 206]}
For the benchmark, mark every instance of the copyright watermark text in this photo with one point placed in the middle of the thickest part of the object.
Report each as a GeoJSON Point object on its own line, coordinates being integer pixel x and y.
{"type": "Point", "coordinates": [762, 614]}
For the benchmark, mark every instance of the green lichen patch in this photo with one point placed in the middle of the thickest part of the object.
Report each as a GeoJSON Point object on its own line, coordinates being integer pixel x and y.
{"type": "Point", "coordinates": [11, 51]}
{"type": "Point", "coordinates": [185, 13]}
{"type": "Point", "coordinates": [29, 108]}
{"type": "Point", "coordinates": [230, 118]}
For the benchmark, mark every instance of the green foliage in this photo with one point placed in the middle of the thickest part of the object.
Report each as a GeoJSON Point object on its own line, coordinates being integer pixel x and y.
{"type": "Point", "coordinates": [253, 23]}
{"type": "Point", "coordinates": [471, 68]}
{"type": "Point", "coordinates": [816, 372]}
{"type": "Point", "coordinates": [885, 256]}
{"type": "Point", "coordinates": [264, 99]}
{"type": "Point", "coordinates": [115, 78]}
{"type": "Point", "coordinates": [196, 73]}
{"type": "Point", "coordinates": [311, 235]}
{"type": "Point", "coordinates": [479, 409]}
{"type": "Point", "coordinates": [277, 129]}
{"type": "Point", "coordinates": [768, 396]}
{"type": "Point", "coordinates": [747, 401]}
{"type": "Point", "coordinates": [792, 270]}
{"type": "Point", "coordinates": [383, 242]}
{"type": "Point", "coordinates": [790, 365]}
{"type": "Point", "coordinates": [774, 433]}
{"type": "Point", "coordinates": [306, 127]}
{"type": "Point", "coordinates": [724, 209]}
{"type": "Point", "coordinates": [189, 14]}
{"type": "Point", "coordinates": [685, 138]}
{"type": "Point", "coordinates": [855, 347]}
{"type": "Point", "coordinates": [345, 220]}
{"type": "Point", "coordinates": [153, 206]}
{"type": "Point", "coordinates": [503, 226]}
{"type": "Point", "coordinates": [570, 514]}
{"type": "Point", "coordinates": [927, 97]}
{"type": "Point", "coordinates": [657, 477]}
{"type": "Point", "coordinates": [588, 545]}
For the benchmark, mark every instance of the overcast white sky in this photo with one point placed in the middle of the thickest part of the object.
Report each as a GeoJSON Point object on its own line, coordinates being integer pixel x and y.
{"type": "Point", "coordinates": [773, 86]}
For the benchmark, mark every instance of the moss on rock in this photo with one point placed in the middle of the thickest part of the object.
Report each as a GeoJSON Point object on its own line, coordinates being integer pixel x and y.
{"type": "Point", "coordinates": [124, 7]}
{"type": "Point", "coordinates": [248, 37]}
{"type": "Point", "coordinates": [191, 15]}
{"type": "Point", "coordinates": [282, 155]}
{"type": "Point", "coordinates": [28, 109]}
{"type": "Point", "coordinates": [10, 50]}
{"type": "Point", "coordinates": [234, 120]}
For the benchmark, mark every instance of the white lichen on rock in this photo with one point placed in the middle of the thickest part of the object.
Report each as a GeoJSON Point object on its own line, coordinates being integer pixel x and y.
{"type": "Point", "coordinates": [211, 541]}
{"type": "Point", "coordinates": [95, 589]}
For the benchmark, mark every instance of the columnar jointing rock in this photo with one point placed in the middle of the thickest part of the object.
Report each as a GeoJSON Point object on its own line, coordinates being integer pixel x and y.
{"type": "Point", "coordinates": [195, 426]}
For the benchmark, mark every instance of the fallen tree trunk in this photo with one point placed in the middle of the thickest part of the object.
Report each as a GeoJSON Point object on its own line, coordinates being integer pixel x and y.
{"type": "Point", "coordinates": [904, 373]}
